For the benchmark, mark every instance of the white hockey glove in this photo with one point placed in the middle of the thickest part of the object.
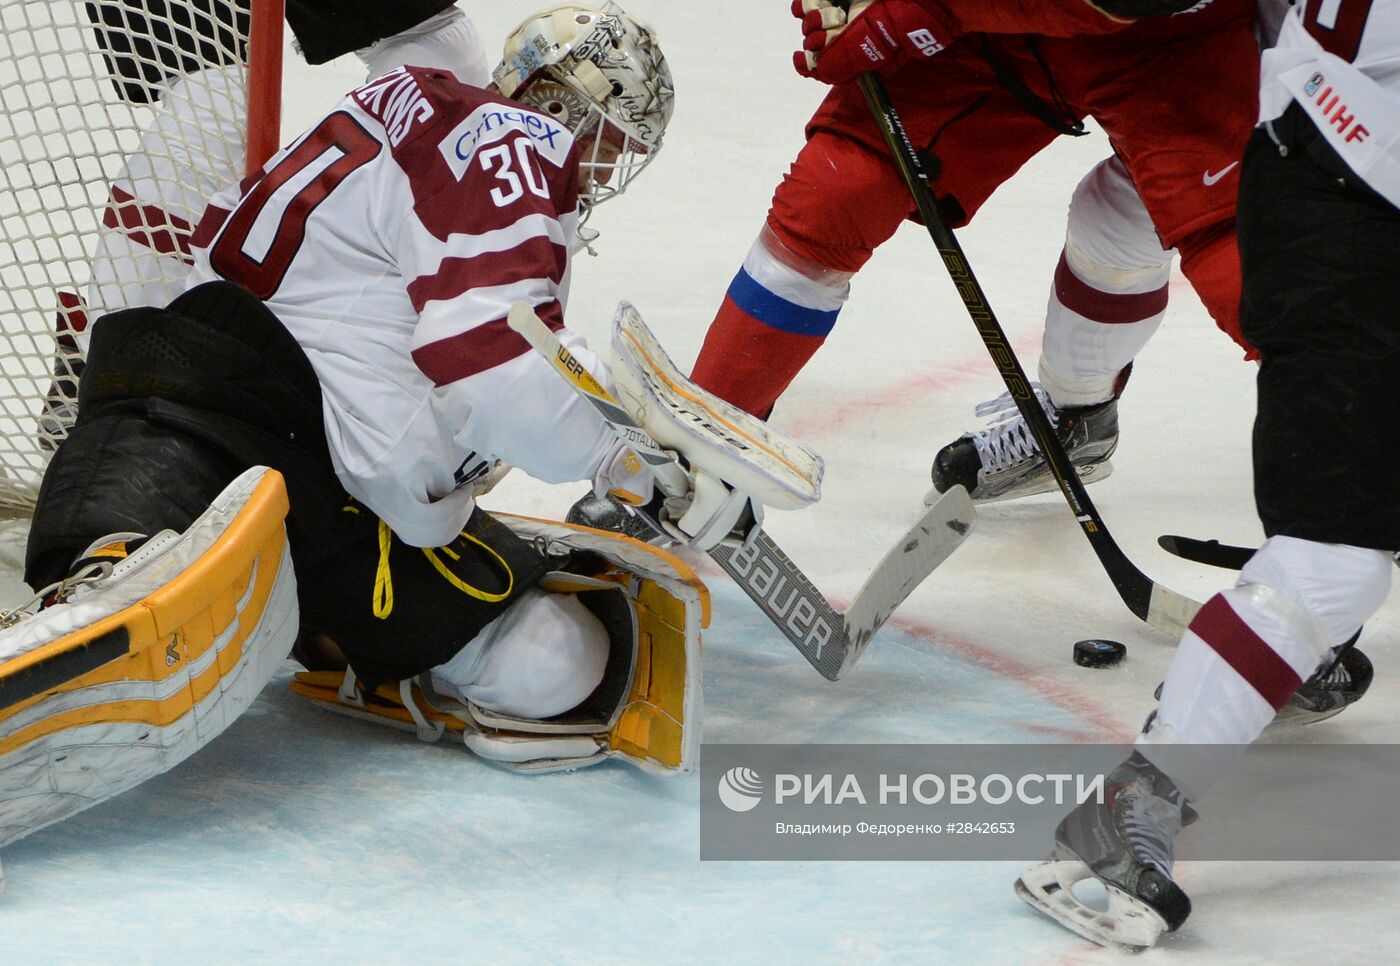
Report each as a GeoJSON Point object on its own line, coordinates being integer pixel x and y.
{"type": "Point", "coordinates": [713, 512]}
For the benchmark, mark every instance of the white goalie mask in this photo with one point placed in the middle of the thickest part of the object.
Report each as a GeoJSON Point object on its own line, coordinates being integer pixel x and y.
{"type": "Point", "coordinates": [600, 73]}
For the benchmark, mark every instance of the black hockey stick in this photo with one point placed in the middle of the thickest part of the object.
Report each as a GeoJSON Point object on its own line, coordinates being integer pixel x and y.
{"type": "Point", "coordinates": [1212, 553]}
{"type": "Point", "coordinates": [1151, 602]}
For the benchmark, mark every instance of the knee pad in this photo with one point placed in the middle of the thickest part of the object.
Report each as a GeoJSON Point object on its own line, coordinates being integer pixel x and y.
{"type": "Point", "coordinates": [645, 706]}
{"type": "Point", "coordinates": [542, 657]}
{"type": "Point", "coordinates": [838, 203]}
{"type": "Point", "coordinates": [1326, 590]}
{"type": "Point", "coordinates": [1111, 242]}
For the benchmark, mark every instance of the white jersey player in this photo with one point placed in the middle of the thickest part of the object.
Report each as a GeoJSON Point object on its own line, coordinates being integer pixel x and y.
{"type": "Point", "coordinates": [195, 146]}
{"type": "Point", "coordinates": [1320, 306]}
{"type": "Point", "coordinates": [365, 357]}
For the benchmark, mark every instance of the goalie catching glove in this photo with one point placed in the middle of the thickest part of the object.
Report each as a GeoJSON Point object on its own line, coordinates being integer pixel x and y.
{"type": "Point", "coordinates": [733, 463]}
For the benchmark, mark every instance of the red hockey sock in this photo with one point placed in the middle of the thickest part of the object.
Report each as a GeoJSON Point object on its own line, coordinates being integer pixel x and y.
{"type": "Point", "coordinates": [748, 362]}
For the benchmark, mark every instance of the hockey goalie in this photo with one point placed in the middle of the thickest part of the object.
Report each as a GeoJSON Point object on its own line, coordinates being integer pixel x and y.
{"type": "Point", "coordinates": [289, 454]}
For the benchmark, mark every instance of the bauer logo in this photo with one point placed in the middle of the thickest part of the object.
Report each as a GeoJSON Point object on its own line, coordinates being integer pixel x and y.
{"type": "Point", "coordinates": [740, 789]}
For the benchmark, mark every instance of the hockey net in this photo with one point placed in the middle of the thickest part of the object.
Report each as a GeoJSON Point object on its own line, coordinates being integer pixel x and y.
{"type": "Point", "coordinates": [118, 120]}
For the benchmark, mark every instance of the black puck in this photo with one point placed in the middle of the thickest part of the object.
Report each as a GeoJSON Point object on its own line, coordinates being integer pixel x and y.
{"type": "Point", "coordinates": [1098, 653]}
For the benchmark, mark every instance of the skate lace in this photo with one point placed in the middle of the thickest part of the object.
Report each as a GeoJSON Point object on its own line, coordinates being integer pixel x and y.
{"type": "Point", "coordinates": [1336, 677]}
{"type": "Point", "coordinates": [57, 593]}
{"type": "Point", "coordinates": [1148, 824]}
{"type": "Point", "coordinates": [1007, 441]}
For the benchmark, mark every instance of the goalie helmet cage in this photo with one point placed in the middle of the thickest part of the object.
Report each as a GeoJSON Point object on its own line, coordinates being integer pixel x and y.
{"type": "Point", "coordinates": [81, 82]}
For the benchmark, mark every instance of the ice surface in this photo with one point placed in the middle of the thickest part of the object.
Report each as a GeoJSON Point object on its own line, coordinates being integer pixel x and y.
{"type": "Point", "coordinates": [299, 836]}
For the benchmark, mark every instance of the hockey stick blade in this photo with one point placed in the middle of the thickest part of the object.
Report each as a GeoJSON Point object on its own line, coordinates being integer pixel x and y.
{"type": "Point", "coordinates": [1154, 604]}
{"type": "Point", "coordinates": [831, 641]}
{"type": "Point", "coordinates": [1212, 553]}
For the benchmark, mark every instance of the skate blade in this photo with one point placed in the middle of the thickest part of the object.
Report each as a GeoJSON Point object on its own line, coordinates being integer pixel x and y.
{"type": "Point", "coordinates": [1092, 473]}
{"type": "Point", "coordinates": [1128, 923]}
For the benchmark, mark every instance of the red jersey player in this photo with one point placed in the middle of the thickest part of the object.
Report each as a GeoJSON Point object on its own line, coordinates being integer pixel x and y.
{"type": "Point", "coordinates": [1176, 96]}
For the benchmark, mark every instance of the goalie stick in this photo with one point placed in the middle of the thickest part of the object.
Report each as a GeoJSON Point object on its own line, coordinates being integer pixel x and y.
{"type": "Point", "coordinates": [1151, 602]}
{"type": "Point", "coordinates": [831, 641]}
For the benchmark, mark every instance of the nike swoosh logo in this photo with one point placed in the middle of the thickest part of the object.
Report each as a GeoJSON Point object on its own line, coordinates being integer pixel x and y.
{"type": "Point", "coordinates": [1209, 179]}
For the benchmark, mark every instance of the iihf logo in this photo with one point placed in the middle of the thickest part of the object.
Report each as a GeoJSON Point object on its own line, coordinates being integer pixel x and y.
{"type": "Point", "coordinates": [740, 789]}
{"type": "Point", "coordinates": [1314, 82]}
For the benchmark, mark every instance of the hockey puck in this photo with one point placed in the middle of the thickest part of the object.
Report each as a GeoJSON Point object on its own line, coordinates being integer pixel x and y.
{"type": "Point", "coordinates": [1098, 653]}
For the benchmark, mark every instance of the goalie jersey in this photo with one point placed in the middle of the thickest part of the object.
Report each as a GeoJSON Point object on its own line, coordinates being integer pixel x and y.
{"type": "Point", "coordinates": [391, 240]}
{"type": "Point", "coordinates": [1340, 60]}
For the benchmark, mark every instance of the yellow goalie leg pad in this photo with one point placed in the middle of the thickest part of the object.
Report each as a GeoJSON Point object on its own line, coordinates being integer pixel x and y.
{"type": "Point", "coordinates": [134, 671]}
{"type": "Point", "coordinates": [647, 711]}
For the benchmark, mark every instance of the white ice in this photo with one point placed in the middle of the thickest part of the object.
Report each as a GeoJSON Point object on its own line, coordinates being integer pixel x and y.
{"type": "Point", "coordinates": [299, 836]}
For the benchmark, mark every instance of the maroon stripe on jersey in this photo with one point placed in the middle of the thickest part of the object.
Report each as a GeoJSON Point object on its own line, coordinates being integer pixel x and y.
{"type": "Point", "coordinates": [1113, 309]}
{"type": "Point", "coordinates": [1249, 654]}
{"type": "Point", "coordinates": [209, 225]}
{"type": "Point", "coordinates": [148, 225]}
{"type": "Point", "coordinates": [483, 347]}
{"type": "Point", "coordinates": [537, 257]}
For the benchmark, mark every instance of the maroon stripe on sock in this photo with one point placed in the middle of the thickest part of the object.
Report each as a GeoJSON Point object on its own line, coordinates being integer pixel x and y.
{"type": "Point", "coordinates": [1220, 627]}
{"type": "Point", "coordinates": [1112, 309]}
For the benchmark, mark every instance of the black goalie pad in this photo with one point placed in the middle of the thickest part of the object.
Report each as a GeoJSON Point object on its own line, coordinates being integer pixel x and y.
{"type": "Point", "coordinates": [174, 404]}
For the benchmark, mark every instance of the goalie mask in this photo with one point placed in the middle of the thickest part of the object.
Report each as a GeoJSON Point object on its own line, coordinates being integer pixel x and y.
{"type": "Point", "coordinates": [601, 74]}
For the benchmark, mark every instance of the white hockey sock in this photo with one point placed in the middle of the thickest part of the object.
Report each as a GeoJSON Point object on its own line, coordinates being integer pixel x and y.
{"type": "Point", "coordinates": [1251, 647]}
{"type": "Point", "coordinates": [1095, 324]}
{"type": "Point", "coordinates": [1110, 290]}
{"type": "Point", "coordinates": [448, 40]}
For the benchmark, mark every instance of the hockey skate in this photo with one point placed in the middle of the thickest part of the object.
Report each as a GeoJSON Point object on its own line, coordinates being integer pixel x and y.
{"type": "Point", "coordinates": [1327, 693]}
{"type": "Point", "coordinates": [1127, 843]}
{"type": "Point", "coordinates": [1003, 462]}
{"type": "Point", "coordinates": [606, 513]}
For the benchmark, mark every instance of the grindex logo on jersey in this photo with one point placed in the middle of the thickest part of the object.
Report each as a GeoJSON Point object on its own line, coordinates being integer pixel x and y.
{"type": "Point", "coordinates": [492, 122]}
{"type": "Point", "coordinates": [398, 103]}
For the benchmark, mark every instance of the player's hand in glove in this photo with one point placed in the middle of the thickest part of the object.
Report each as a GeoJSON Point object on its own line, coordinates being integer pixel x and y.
{"type": "Point", "coordinates": [703, 517]}
{"type": "Point", "coordinates": [879, 35]}
{"type": "Point", "coordinates": [712, 512]}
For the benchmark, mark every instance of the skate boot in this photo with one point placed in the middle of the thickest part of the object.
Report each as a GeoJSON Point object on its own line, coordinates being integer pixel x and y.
{"type": "Point", "coordinates": [1336, 687]}
{"type": "Point", "coordinates": [1127, 843]}
{"type": "Point", "coordinates": [1331, 690]}
{"type": "Point", "coordinates": [1003, 462]}
{"type": "Point", "coordinates": [606, 513]}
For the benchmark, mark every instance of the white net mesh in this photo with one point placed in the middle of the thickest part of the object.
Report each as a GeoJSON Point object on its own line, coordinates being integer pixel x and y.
{"type": "Point", "coordinates": [118, 119]}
